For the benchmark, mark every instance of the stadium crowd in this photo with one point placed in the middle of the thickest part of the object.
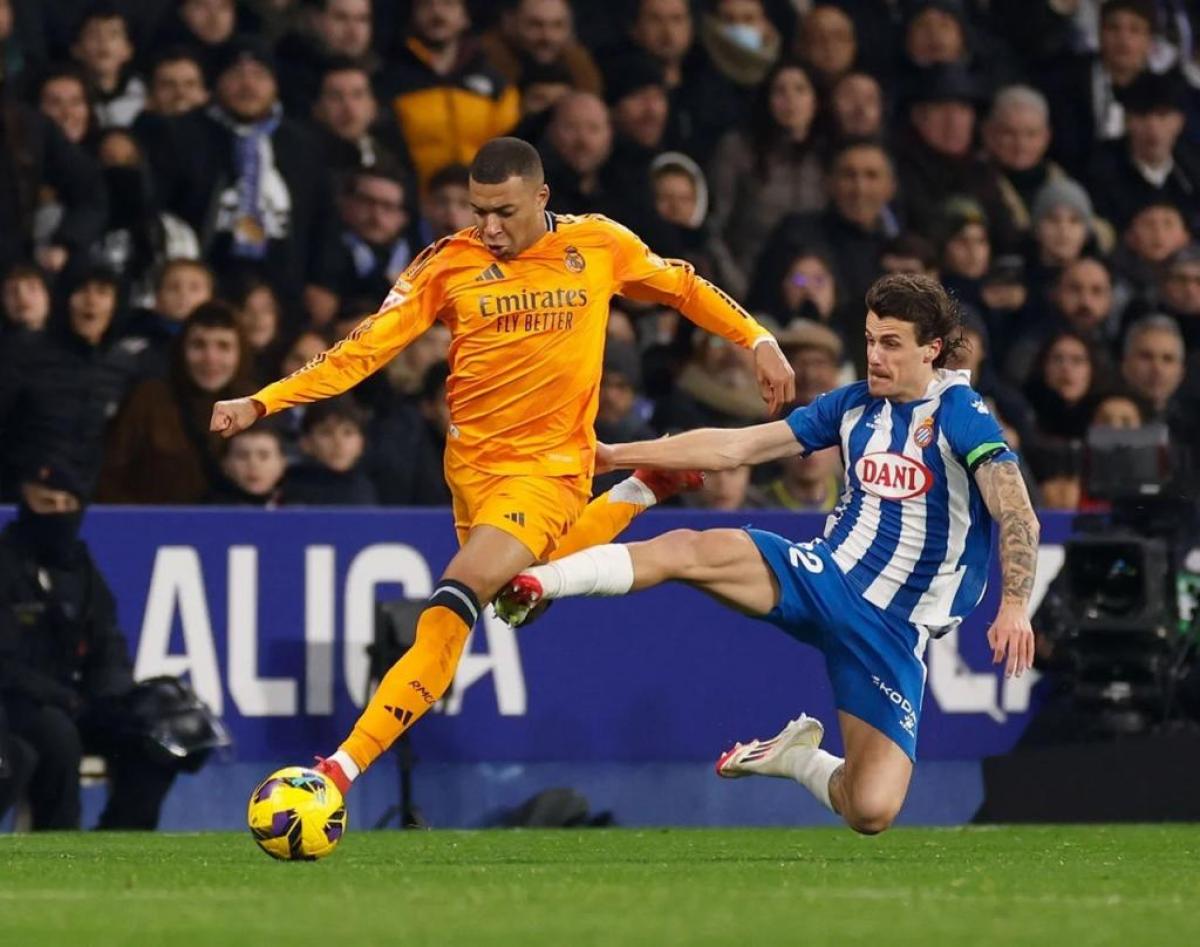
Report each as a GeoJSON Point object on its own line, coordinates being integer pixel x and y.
{"type": "Point", "coordinates": [197, 196]}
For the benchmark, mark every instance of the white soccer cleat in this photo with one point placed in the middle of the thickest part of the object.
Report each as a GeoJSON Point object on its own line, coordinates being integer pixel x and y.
{"type": "Point", "coordinates": [517, 603]}
{"type": "Point", "coordinates": [765, 757]}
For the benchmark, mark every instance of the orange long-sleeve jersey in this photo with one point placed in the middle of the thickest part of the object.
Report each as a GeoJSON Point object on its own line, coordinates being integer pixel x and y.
{"type": "Point", "coordinates": [527, 338]}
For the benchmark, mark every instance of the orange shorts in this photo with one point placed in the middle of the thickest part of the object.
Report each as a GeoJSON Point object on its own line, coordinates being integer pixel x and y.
{"type": "Point", "coordinates": [536, 510]}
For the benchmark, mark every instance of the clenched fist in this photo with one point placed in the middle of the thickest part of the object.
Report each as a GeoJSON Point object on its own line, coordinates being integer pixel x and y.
{"type": "Point", "coordinates": [233, 417]}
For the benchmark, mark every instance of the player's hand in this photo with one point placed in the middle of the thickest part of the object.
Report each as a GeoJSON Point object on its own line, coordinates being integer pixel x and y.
{"type": "Point", "coordinates": [232, 417]}
{"type": "Point", "coordinates": [775, 376]}
{"type": "Point", "coordinates": [1011, 638]}
{"type": "Point", "coordinates": [605, 457]}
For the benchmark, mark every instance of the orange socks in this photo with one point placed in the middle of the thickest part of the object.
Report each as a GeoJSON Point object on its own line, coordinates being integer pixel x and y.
{"type": "Point", "coordinates": [605, 517]}
{"type": "Point", "coordinates": [420, 678]}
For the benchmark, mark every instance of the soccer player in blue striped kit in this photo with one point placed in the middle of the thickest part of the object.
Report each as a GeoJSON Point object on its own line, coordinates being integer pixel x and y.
{"type": "Point", "coordinates": [904, 557]}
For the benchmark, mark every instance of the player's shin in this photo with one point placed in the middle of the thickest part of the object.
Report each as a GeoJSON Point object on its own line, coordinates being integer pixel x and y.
{"type": "Point", "coordinates": [600, 570]}
{"type": "Point", "coordinates": [419, 679]}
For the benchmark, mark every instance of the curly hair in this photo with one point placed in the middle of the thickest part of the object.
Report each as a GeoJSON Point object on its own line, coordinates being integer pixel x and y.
{"type": "Point", "coordinates": [921, 300]}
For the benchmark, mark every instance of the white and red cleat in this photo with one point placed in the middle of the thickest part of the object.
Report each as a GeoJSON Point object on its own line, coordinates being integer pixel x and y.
{"type": "Point", "coordinates": [518, 601]}
{"type": "Point", "coordinates": [332, 770]}
{"type": "Point", "coordinates": [765, 757]}
{"type": "Point", "coordinates": [665, 484]}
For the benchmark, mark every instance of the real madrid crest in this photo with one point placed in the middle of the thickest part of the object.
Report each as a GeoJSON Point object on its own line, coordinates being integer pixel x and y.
{"type": "Point", "coordinates": [574, 260]}
{"type": "Point", "coordinates": [923, 435]}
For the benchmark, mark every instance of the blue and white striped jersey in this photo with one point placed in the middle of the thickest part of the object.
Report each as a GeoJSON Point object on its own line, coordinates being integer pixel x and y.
{"type": "Point", "coordinates": [911, 530]}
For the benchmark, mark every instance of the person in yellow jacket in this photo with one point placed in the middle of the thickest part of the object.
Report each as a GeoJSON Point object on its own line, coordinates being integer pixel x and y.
{"type": "Point", "coordinates": [525, 294]}
{"type": "Point", "coordinates": [446, 95]}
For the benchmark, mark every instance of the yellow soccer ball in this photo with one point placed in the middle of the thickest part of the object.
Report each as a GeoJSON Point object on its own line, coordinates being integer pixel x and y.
{"type": "Point", "coordinates": [297, 814]}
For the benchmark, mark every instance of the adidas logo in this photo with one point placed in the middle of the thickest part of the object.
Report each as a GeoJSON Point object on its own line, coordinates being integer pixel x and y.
{"type": "Point", "coordinates": [518, 518]}
{"type": "Point", "coordinates": [493, 272]}
{"type": "Point", "coordinates": [404, 716]}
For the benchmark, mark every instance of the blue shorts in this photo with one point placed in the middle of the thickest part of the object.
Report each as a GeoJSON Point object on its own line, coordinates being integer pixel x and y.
{"type": "Point", "coordinates": [875, 660]}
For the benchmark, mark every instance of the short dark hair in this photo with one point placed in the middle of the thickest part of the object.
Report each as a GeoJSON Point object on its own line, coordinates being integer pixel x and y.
{"type": "Point", "coordinates": [99, 11]}
{"type": "Point", "coordinates": [341, 408]}
{"type": "Point", "coordinates": [921, 300]}
{"type": "Point", "coordinates": [503, 158]}
{"type": "Point", "coordinates": [177, 53]}
{"type": "Point", "coordinates": [1144, 9]}
{"type": "Point", "coordinates": [913, 245]}
{"type": "Point", "coordinates": [847, 145]}
{"type": "Point", "coordinates": [450, 175]}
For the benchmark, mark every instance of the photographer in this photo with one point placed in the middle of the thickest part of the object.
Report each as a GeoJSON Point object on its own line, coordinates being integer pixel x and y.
{"type": "Point", "coordinates": [66, 681]}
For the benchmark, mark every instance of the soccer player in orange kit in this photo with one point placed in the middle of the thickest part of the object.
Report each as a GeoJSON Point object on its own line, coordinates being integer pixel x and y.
{"type": "Point", "coordinates": [525, 294]}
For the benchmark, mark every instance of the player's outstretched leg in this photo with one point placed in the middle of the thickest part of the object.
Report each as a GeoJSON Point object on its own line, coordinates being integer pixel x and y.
{"type": "Point", "coordinates": [725, 563]}
{"type": "Point", "coordinates": [421, 677]}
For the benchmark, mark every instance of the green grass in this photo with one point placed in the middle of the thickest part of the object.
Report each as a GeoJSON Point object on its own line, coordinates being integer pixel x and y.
{"type": "Point", "coordinates": [1067, 886]}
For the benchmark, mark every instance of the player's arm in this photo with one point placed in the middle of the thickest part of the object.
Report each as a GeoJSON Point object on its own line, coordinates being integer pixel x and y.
{"type": "Point", "coordinates": [646, 276]}
{"type": "Point", "coordinates": [1004, 493]}
{"type": "Point", "coordinates": [410, 309]}
{"type": "Point", "coordinates": [705, 449]}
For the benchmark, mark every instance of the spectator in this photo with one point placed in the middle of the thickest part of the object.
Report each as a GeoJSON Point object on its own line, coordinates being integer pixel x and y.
{"type": "Point", "coordinates": [936, 153]}
{"type": "Point", "coordinates": [26, 300]}
{"type": "Point", "coordinates": [52, 233]}
{"type": "Point", "coordinates": [827, 45]}
{"type": "Point", "coordinates": [769, 168]}
{"type": "Point", "coordinates": [621, 415]}
{"type": "Point", "coordinates": [348, 121]}
{"type": "Point", "coordinates": [405, 446]}
{"type": "Point", "coordinates": [637, 100]}
{"type": "Point", "coordinates": [966, 250]}
{"type": "Point", "coordinates": [1064, 386]}
{"type": "Point", "coordinates": [333, 439]}
{"type": "Point", "coordinates": [584, 179]}
{"type": "Point", "coordinates": [741, 40]}
{"type": "Point", "coordinates": [541, 88]}
{"type": "Point", "coordinates": [1149, 164]}
{"type": "Point", "coordinates": [1064, 229]}
{"type": "Point", "coordinates": [716, 388]}
{"type": "Point", "coordinates": [103, 48]}
{"type": "Point", "coordinates": [177, 83]}
{"type": "Point", "coordinates": [374, 232]}
{"type": "Point", "coordinates": [974, 358]}
{"type": "Point", "coordinates": [66, 679]}
{"type": "Point", "coordinates": [260, 319]}
{"type": "Point", "coordinates": [326, 29]}
{"type": "Point", "coordinates": [1016, 137]}
{"type": "Point", "coordinates": [935, 34]}
{"type": "Point", "coordinates": [241, 175]}
{"type": "Point", "coordinates": [703, 103]}
{"type": "Point", "coordinates": [540, 34]}
{"type": "Point", "coordinates": [446, 96]}
{"type": "Point", "coordinates": [853, 228]}
{"type": "Point", "coordinates": [140, 237]}
{"type": "Point", "coordinates": [809, 291]}
{"type": "Point", "coordinates": [64, 96]}
{"type": "Point", "coordinates": [1152, 366]}
{"type": "Point", "coordinates": [681, 200]}
{"type": "Point", "coordinates": [144, 349]}
{"type": "Point", "coordinates": [22, 44]}
{"type": "Point", "coordinates": [254, 466]}
{"type": "Point", "coordinates": [1155, 233]}
{"type": "Point", "coordinates": [160, 449]}
{"type": "Point", "coordinates": [815, 353]}
{"type": "Point", "coordinates": [1178, 295]}
{"type": "Point", "coordinates": [856, 107]}
{"type": "Point", "coordinates": [446, 208]}
{"type": "Point", "coordinates": [1085, 91]}
{"type": "Point", "coordinates": [203, 25]}
{"type": "Point", "coordinates": [909, 253]}
{"type": "Point", "coordinates": [1081, 302]}
{"type": "Point", "coordinates": [1119, 410]}
{"type": "Point", "coordinates": [807, 483]}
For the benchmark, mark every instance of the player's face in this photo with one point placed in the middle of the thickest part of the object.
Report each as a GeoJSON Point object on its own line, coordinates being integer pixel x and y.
{"type": "Point", "coordinates": [898, 366]}
{"type": "Point", "coordinates": [510, 216]}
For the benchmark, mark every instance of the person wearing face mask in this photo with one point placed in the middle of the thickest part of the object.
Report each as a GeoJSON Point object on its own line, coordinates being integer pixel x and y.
{"type": "Point", "coordinates": [65, 674]}
{"type": "Point", "coordinates": [741, 40]}
{"type": "Point", "coordinates": [159, 449]}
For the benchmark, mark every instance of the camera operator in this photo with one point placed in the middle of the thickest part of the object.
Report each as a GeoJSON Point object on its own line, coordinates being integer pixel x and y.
{"type": "Point", "coordinates": [66, 681]}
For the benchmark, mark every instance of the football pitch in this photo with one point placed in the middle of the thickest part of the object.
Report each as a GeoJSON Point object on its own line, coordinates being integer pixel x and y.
{"type": "Point", "coordinates": [1067, 886]}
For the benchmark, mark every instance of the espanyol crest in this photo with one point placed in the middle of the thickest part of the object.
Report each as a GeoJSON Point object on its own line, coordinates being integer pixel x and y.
{"type": "Point", "coordinates": [892, 476]}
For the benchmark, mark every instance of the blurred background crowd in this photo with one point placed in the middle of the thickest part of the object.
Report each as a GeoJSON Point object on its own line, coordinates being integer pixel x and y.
{"type": "Point", "coordinates": [197, 196]}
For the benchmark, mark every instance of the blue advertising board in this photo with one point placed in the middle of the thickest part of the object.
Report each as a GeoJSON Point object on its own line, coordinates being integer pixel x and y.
{"type": "Point", "coordinates": [269, 614]}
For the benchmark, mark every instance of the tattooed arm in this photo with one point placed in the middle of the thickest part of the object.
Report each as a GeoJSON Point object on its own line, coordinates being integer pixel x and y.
{"type": "Point", "coordinates": [1007, 500]}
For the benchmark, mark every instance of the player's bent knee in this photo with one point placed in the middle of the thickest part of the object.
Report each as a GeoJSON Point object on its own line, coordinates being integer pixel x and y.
{"type": "Point", "coordinates": [872, 814]}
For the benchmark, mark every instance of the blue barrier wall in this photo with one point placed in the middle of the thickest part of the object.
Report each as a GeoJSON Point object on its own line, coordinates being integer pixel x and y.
{"type": "Point", "coordinates": [630, 699]}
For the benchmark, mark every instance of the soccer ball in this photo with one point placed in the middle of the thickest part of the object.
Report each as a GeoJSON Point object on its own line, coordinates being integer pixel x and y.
{"type": "Point", "coordinates": [296, 814]}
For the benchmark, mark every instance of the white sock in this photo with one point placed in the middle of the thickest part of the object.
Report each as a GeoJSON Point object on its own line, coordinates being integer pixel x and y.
{"type": "Point", "coordinates": [600, 570]}
{"type": "Point", "coordinates": [349, 767]}
{"type": "Point", "coordinates": [632, 490]}
{"type": "Point", "coordinates": [813, 768]}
